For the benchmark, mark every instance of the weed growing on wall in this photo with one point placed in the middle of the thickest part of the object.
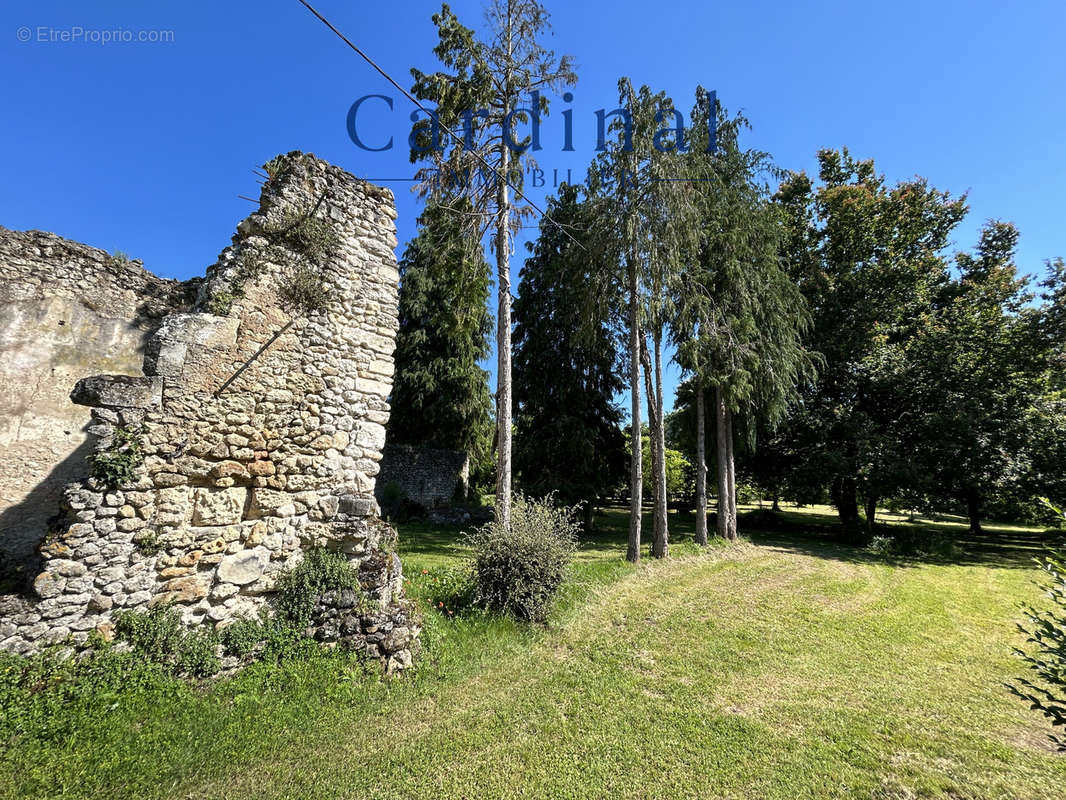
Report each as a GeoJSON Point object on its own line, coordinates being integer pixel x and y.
{"type": "Point", "coordinates": [117, 464]}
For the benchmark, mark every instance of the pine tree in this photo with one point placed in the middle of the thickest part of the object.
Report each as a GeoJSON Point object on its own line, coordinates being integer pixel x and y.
{"type": "Point", "coordinates": [568, 435]}
{"type": "Point", "coordinates": [440, 394]}
{"type": "Point", "coordinates": [495, 76]}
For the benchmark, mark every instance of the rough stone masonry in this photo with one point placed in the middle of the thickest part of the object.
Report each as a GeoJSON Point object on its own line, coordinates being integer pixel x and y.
{"type": "Point", "coordinates": [237, 484]}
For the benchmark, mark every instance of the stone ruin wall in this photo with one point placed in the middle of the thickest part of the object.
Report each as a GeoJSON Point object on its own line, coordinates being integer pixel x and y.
{"type": "Point", "coordinates": [428, 476]}
{"type": "Point", "coordinates": [237, 484]}
{"type": "Point", "coordinates": [67, 310]}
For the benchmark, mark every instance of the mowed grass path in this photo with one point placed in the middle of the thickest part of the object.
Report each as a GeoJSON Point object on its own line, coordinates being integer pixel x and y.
{"type": "Point", "coordinates": [777, 668]}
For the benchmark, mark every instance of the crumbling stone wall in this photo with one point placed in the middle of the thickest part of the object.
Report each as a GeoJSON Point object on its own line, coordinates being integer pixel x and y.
{"type": "Point", "coordinates": [261, 430]}
{"type": "Point", "coordinates": [67, 310]}
{"type": "Point", "coordinates": [426, 475]}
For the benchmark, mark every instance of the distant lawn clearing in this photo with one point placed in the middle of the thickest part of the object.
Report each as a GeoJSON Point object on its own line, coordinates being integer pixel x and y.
{"type": "Point", "coordinates": [782, 668]}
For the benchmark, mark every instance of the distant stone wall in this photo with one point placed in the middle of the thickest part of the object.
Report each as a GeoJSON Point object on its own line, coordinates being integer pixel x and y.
{"type": "Point", "coordinates": [237, 484]}
{"type": "Point", "coordinates": [428, 476]}
{"type": "Point", "coordinates": [66, 311]}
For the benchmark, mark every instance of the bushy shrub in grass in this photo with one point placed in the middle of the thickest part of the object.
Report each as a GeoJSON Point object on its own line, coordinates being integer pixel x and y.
{"type": "Point", "coordinates": [905, 542]}
{"type": "Point", "coordinates": [159, 636]}
{"type": "Point", "coordinates": [320, 571]}
{"type": "Point", "coordinates": [1045, 632]}
{"type": "Point", "coordinates": [519, 571]}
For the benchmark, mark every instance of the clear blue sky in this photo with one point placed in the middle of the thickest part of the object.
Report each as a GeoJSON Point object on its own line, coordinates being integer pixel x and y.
{"type": "Point", "coordinates": [144, 147]}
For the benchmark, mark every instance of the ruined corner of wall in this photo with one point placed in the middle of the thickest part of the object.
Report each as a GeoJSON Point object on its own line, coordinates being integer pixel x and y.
{"type": "Point", "coordinates": [254, 435]}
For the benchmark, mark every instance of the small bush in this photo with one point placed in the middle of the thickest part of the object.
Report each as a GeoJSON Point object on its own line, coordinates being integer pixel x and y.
{"type": "Point", "coordinates": [302, 290]}
{"type": "Point", "coordinates": [297, 589]}
{"type": "Point", "coordinates": [148, 543]}
{"type": "Point", "coordinates": [117, 464]}
{"type": "Point", "coordinates": [118, 260]}
{"type": "Point", "coordinates": [906, 542]}
{"type": "Point", "coordinates": [160, 637]}
{"type": "Point", "coordinates": [221, 303]}
{"type": "Point", "coordinates": [519, 571]}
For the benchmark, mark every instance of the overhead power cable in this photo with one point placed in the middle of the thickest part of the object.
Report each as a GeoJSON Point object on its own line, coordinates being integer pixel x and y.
{"type": "Point", "coordinates": [458, 139]}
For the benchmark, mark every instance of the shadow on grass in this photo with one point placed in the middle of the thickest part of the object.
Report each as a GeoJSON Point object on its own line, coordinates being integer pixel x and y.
{"type": "Point", "coordinates": [807, 531]}
{"type": "Point", "coordinates": [999, 545]}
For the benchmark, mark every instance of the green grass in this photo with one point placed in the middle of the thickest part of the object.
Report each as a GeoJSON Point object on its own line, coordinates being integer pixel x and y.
{"type": "Point", "coordinates": [781, 667]}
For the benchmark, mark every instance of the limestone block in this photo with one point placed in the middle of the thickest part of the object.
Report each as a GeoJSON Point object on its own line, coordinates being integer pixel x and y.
{"type": "Point", "coordinates": [202, 330]}
{"type": "Point", "coordinates": [243, 567]}
{"type": "Point", "coordinates": [218, 506]}
{"type": "Point", "coordinates": [118, 391]}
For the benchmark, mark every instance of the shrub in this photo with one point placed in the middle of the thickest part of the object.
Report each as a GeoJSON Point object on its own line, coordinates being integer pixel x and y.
{"type": "Point", "coordinates": [1046, 632]}
{"type": "Point", "coordinates": [302, 290]}
{"type": "Point", "coordinates": [117, 464]}
{"type": "Point", "coordinates": [297, 589]}
{"type": "Point", "coordinates": [519, 571]}
{"type": "Point", "coordinates": [160, 637]}
{"type": "Point", "coordinates": [907, 542]}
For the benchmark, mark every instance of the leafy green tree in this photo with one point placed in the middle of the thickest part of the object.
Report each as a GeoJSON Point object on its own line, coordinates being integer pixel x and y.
{"type": "Point", "coordinates": [568, 435]}
{"type": "Point", "coordinates": [440, 394]}
{"type": "Point", "coordinates": [869, 259]}
{"type": "Point", "coordinates": [480, 93]}
{"type": "Point", "coordinates": [975, 370]}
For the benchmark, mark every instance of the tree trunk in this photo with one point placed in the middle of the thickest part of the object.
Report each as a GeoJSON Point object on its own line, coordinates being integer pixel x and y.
{"type": "Point", "coordinates": [843, 492]}
{"type": "Point", "coordinates": [721, 457]}
{"type": "Point", "coordinates": [656, 444]}
{"type": "Point", "coordinates": [871, 512]}
{"type": "Point", "coordinates": [973, 509]}
{"type": "Point", "coordinates": [503, 348]}
{"type": "Point", "coordinates": [636, 474]}
{"type": "Point", "coordinates": [661, 546]}
{"type": "Point", "coordinates": [701, 468]}
{"type": "Point", "coordinates": [776, 504]}
{"type": "Point", "coordinates": [589, 511]}
{"type": "Point", "coordinates": [731, 474]}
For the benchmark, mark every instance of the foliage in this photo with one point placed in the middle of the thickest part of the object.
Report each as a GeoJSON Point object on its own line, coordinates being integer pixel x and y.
{"type": "Point", "coordinates": [518, 571]}
{"type": "Point", "coordinates": [1045, 631]}
{"type": "Point", "coordinates": [298, 243]}
{"type": "Point", "coordinates": [319, 571]}
{"type": "Point", "coordinates": [679, 472]}
{"type": "Point", "coordinates": [868, 259]}
{"type": "Point", "coordinates": [221, 302]}
{"type": "Point", "coordinates": [906, 542]}
{"type": "Point", "coordinates": [158, 635]}
{"type": "Point", "coordinates": [117, 463]}
{"type": "Point", "coordinates": [148, 543]}
{"type": "Point", "coordinates": [44, 697]}
{"type": "Point", "coordinates": [568, 439]}
{"type": "Point", "coordinates": [302, 290]}
{"type": "Point", "coordinates": [974, 377]}
{"type": "Point", "coordinates": [440, 394]}
{"type": "Point", "coordinates": [117, 260]}
{"type": "Point", "coordinates": [481, 91]}
{"type": "Point", "coordinates": [447, 590]}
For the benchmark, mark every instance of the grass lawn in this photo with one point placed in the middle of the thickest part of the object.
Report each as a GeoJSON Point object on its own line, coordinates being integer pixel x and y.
{"type": "Point", "coordinates": [784, 666]}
